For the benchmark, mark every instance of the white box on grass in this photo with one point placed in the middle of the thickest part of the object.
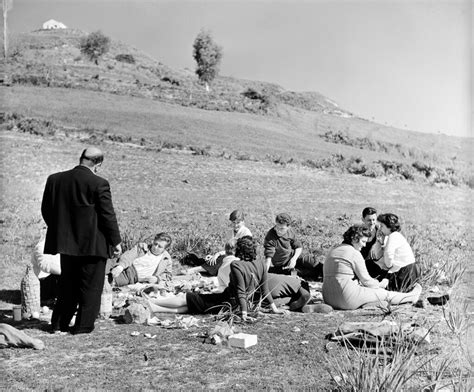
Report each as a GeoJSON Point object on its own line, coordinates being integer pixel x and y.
{"type": "Point", "coordinates": [242, 340]}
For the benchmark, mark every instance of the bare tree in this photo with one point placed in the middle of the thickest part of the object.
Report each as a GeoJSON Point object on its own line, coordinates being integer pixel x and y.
{"type": "Point", "coordinates": [7, 6]}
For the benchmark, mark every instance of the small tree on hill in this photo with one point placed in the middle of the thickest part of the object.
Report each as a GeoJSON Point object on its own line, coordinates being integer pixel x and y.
{"type": "Point", "coordinates": [208, 55]}
{"type": "Point", "coordinates": [94, 46]}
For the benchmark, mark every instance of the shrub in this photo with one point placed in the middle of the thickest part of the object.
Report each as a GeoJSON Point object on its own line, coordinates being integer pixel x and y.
{"type": "Point", "coordinates": [34, 80]}
{"type": "Point", "coordinates": [356, 165]}
{"type": "Point", "coordinates": [125, 58]}
{"type": "Point", "coordinates": [170, 80]}
{"type": "Point", "coordinates": [253, 94]}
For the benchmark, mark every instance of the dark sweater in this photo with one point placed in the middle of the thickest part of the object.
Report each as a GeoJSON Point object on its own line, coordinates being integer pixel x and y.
{"type": "Point", "coordinates": [248, 279]}
{"type": "Point", "coordinates": [281, 249]}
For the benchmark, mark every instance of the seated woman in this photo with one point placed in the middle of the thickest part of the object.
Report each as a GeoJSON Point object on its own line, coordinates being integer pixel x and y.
{"type": "Point", "coordinates": [343, 263]}
{"type": "Point", "coordinates": [143, 263]}
{"type": "Point", "coordinates": [398, 261]}
{"type": "Point", "coordinates": [247, 278]}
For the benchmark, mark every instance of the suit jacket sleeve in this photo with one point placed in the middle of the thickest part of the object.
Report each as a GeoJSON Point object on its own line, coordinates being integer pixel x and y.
{"type": "Point", "coordinates": [105, 210]}
{"type": "Point", "coordinates": [47, 202]}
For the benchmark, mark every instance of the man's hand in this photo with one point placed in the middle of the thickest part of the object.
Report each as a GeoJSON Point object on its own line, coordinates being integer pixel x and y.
{"type": "Point", "coordinates": [116, 271]}
{"type": "Point", "coordinates": [212, 260]}
{"type": "Point", "coordinates": [117, 250]}
{"type": "Point", "coordinates": [143, 246]}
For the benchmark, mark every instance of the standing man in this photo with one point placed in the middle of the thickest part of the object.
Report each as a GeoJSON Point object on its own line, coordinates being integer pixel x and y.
{"type": "Point", "coordinates": [82, 228]}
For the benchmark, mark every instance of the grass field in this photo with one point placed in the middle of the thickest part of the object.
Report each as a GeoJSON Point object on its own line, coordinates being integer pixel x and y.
{"type": "Point", "coordinates": [191, 196]}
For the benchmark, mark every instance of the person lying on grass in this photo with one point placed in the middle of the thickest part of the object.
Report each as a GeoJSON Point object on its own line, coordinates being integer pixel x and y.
{"type": "Point", "coordinates": [211, 264]}
{"type": "Point", "coordinates": [279, 286]}
{"type": "Point", "coordinates": [344, 263]}
{"type": "Point", "coordinates": [144, 263]}
{"type": "Point", "coordinates": [247, 286]}
{"type": "Point", "coordinates": [284, 251]}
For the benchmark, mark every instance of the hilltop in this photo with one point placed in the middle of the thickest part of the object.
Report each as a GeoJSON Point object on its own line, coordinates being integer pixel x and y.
{"type": "Point", "coordinates": [52, 58]}
{"type": "Point", "coordinates": [47, 79]}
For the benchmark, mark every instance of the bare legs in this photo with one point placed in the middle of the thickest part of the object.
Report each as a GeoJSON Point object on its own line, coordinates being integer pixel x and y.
{"type": "Point", "coordinates": [175, 304]}
{"type": "Point", "coordinates": [396, 298]}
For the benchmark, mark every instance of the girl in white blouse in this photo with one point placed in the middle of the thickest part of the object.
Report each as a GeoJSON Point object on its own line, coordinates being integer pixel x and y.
{"type": "Point", "coordinates": [398, 258]}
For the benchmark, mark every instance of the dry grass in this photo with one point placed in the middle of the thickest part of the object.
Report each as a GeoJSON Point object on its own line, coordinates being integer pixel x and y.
{"type": "Point", "coordinates": [150, 195]}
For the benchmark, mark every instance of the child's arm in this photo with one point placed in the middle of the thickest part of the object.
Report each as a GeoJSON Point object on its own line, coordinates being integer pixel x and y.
{"type": "Point", "coordinates": [269, 247]}
{"type": "Point", "coordinates": [389, 251]}
{"type": "Point", "coordinates": [292, 263]}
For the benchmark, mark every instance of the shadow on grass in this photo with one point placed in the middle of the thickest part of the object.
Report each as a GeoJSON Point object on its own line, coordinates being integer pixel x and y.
{"type": "Point", "coordinates": [10, 296]}
{"type": "Point", "coordinates": [6, 316]}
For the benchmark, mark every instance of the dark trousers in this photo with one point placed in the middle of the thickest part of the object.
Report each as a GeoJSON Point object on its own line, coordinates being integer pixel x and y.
{"type": "Point", "coordinates": [307, 267]}
{"type": "Point", "coordinates": [403, 280]}
{"type": "Point", "coordinates": [80, 288]}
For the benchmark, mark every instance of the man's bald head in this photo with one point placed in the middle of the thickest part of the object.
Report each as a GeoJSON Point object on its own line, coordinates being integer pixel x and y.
{"type": "Point", "coordinates": [91, 156]}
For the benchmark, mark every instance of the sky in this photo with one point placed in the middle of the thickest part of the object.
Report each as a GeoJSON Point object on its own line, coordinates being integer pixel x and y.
{"type": "Point", "coordinates": [404, 63]}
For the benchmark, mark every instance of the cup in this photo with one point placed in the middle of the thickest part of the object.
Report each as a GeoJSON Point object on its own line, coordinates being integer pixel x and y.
{"type": "Point", "coordinates": [17, 313]}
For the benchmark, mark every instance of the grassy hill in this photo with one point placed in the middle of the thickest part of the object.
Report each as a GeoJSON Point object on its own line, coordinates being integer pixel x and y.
{"type": "Point", "coordinates": [134, 98]}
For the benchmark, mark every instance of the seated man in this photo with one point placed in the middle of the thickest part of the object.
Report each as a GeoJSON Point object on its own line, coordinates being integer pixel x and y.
{"type": "Point", "coordinates": [372, 251]}
{"type": "Point", "coordinates": [142, 263]}
{"type": "Point", "coordinates": [223, 268]}
{"type": "Point", "coordinates": [211, 263]}
{"type": "Point", "coordinates": [283, 251]}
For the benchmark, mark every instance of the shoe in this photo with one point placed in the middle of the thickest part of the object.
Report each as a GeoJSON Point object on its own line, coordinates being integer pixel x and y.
{"type": "Point", "coordinates": [302, 300]}
{"type": "Point", "coordinates": [442, 300]}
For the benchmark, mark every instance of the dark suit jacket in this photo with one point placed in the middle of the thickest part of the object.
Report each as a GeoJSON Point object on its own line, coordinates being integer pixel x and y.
{"type": "Point", "coordinates": [77, 207]}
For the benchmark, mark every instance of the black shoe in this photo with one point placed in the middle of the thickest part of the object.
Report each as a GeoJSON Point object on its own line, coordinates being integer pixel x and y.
{"type": "Point", "coordinates": [302, 300]}
{"type": "Point", "coordinates": [442, 300]}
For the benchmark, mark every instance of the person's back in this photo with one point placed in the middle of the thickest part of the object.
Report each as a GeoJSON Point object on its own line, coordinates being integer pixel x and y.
{"type": "Point", "coordinates": [78, 210]}
{"type": "Point", "coordinates": [75, 191]}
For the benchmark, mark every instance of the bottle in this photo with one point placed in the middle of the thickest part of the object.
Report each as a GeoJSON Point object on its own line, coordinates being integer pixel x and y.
{"type": "Point", "coordinates": [30, 294]}
{"type": "Point", "coordinates": [106, 300]}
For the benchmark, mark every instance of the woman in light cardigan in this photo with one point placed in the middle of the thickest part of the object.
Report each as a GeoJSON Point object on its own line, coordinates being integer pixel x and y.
{"type": "Point", "coordinates": [398, 260]}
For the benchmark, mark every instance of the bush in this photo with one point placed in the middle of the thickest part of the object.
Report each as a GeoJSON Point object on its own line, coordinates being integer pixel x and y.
{"type": "Point", "coordinates": [170, 80]}
{"type": "Point", "coordinates": [356, 165]}
{"type": "Point", "coordinates": [34, 80]}
{"type": "Point", "coordinates": [125, 58]}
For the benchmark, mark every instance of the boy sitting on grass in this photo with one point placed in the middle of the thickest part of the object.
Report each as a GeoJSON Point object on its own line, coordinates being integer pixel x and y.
{"type": "Point", "coordinates": [283, 251]}
{"type": "Point", "coordinates": [144, 263]}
